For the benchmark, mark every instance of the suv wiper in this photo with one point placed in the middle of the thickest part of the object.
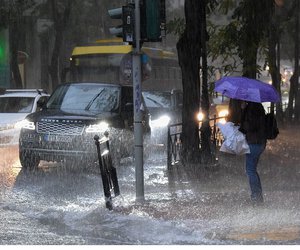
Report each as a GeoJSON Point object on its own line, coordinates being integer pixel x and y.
{"type": "Point", "coordinates": [92, 101]}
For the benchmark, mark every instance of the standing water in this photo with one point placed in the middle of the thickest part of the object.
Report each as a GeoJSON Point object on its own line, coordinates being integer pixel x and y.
{"type": "Point", "coordinates": [184, 205]}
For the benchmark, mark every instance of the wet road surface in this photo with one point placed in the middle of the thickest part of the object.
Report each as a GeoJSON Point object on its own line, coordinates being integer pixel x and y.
{"type": "Point", "coordinates": [183, 205]}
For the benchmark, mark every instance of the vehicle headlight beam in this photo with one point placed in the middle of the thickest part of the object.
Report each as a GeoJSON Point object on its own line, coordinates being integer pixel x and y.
{"type": "Point", "coordinates": [97, 128]}
{"type": "Point", "coordinates": [162, 121]}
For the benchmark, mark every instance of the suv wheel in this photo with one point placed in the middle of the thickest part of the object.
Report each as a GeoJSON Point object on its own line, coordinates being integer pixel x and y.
{"type": "Point", "coordinates": [28, 160]}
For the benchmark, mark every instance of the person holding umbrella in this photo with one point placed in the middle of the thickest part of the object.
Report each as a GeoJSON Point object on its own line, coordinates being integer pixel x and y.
{"type": "Point", "coordinates": [250, 93]}
{"type": "Point", "coordinates": [253, 126]}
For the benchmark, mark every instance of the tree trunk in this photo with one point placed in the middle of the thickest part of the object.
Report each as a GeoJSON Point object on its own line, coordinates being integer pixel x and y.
{"type": "Point", "coordinates": [189, 52]}
{"type": "Point", "coordinates": [296, 70]}
{"type": "Point", "coordinates": [273, 41]}
{"type": "Point", "coordinates": [206, 152]}
{"type": "Point", "coordinates": [59, 26]}
{"type": "Point", "coordinates": [250, 47]}
{"type": "Point", "coordinates": [44, 51]}
{"type": "Point", "coordinates": [292, 96]}
{"type": "Point", "coordinates": [255, 18]}
{"type": "Point", "coordinates": [54, 67]}
{"type": "Point", "coordinates": [14, 47]}
{"type": "Point", "coordinates": [250, 58]}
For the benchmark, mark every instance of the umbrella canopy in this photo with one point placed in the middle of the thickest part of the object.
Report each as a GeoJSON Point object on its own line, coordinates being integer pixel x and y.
{"type": "Point", "coordinates": [247, 89]}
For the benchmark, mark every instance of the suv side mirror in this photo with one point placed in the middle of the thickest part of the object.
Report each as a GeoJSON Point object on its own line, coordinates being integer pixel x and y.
{"type": "Point", "coordinates": [41, 103]}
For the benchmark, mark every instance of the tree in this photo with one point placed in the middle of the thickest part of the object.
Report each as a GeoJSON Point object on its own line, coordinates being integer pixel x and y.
{"type": "Point", "coordinates": [274, 55]}
{"type": "Point", "coordinates": [12, 16]}
{"type": "Point", "coordinates": [74, 22]}
{"type": "Point", "coordinates": [253, 23]}
{"type": "Point", "coordinates": [254, 31]}
{"type": "Point", "coordinates": [191, 48]}
{"type": "Point", "coordinates": [295, 81]}
{"type": "Point", "coordinates": [288, 12]}
{"type": "Point", "coordinates": [60, 11]}
{"type": "Point", "coordinates": [206, 152]}
{"type": "Point", "coordinates": [189, 53]}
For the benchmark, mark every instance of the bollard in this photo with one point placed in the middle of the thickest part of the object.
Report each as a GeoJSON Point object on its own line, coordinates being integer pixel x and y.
{"type": "Point", "coordinates": [104, 176]}
{"type": "Point", "coordinates": [112, 170]}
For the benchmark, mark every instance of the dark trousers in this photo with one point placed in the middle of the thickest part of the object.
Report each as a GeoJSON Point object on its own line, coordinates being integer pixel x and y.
{"type": "Point", "coordinates": [251, 170]}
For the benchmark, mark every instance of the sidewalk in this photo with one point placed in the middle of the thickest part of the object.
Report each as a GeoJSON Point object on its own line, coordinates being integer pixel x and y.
{"type": "Point", "coordinates": [218, 198]}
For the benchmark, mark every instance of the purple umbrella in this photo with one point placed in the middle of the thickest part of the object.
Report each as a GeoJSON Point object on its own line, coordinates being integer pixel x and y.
{"type": "Point", "coordinates": [247, 89]}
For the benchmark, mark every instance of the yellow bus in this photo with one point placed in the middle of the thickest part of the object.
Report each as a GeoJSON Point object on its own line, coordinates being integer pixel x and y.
{"type": "Point", "coordinates": [107, 63]}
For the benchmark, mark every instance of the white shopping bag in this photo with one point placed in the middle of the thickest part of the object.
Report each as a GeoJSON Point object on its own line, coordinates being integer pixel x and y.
{"type": "Point", "coordinates": [234, 140]}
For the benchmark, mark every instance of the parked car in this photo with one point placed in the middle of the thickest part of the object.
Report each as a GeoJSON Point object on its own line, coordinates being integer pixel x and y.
{"type": "Point", "coordinates": [64, 130]}
{"type": "Point", "coordinates": [15, 105]}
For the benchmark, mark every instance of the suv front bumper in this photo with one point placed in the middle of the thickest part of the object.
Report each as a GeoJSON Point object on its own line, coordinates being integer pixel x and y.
{"type": "Point", "coordinates": [58, 147]}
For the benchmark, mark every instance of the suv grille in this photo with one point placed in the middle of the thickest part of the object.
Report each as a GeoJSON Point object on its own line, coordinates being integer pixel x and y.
{"type": "Point", "coordinates": [60, 128]}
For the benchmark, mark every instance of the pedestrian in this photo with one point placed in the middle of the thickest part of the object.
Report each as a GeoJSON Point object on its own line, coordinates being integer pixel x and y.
{"type": "Point", "coordinates": [253, 126]}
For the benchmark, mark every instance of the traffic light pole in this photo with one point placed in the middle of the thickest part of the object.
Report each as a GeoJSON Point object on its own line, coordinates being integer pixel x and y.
{"type": "Point", "coordinates": [153, 24]}
{"type": "Point", "coordinates": [137, 95]}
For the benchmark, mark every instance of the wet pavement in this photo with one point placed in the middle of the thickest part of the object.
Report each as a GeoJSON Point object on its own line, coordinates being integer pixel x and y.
{"type": "Point", "coordinates": [183, 205]}
{"type": "Point", "coordinates": [219, 195]}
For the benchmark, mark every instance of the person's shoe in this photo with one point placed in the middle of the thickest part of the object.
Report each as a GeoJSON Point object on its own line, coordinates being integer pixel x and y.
{"type": "Point", "coordinates": [257, 201]}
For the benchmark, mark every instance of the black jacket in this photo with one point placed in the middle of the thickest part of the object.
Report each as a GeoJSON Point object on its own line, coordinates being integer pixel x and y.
{"type": "Point", "coordinates": [253, 123]}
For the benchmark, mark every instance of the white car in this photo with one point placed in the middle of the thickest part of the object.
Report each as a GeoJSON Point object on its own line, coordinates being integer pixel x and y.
{"type": "Point", "coordinates": [15, 105]}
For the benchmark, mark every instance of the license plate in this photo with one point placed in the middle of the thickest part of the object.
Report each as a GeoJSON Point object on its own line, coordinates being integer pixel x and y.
{"type": "Point", "coordinates": [57, 138]}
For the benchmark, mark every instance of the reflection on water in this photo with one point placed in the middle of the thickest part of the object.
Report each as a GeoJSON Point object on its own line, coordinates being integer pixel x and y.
{"type": "Point", "coordinates": [9, 166]}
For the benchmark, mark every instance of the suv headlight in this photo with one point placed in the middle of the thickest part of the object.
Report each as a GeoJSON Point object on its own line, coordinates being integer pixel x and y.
{"type": "Point", "coordinates": [162, 121]}
{"type": "Point", "coordinates": [26, 124]}
{"type": "Point", "coordinates": [97, 128]}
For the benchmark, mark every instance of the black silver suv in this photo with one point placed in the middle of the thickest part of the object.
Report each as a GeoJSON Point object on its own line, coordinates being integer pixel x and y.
{"type": "Point", "coordinates": [74, 114]}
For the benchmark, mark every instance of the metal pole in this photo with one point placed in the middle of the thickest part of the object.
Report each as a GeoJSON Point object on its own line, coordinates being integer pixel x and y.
{"type": "Point", "coordinates": [105, 179]}
{"type": "Point", "coordinates": [137, 95]}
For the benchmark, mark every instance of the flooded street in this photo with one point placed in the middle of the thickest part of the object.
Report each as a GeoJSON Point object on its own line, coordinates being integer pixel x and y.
{"type": "Point", "coordinates": [115, 80]}
{"type": "Point", "coordinates": [185, 205]}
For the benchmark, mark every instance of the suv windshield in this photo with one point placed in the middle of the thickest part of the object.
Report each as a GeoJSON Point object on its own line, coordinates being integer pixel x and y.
{"type": "Point", "coordinates": [16, 104]}
{"type": "Point", "coordinates": [77, 98]}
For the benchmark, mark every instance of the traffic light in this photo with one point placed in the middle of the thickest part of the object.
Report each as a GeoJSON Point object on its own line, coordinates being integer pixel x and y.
{"type": "Point", "coordinates": [153, 20]}
{"type": "Point", "coordinates": [128, 19]}
{"type": "Point", "coordinates": [116, 14]}
{"type": "Point", "coordinates": [126, 29]}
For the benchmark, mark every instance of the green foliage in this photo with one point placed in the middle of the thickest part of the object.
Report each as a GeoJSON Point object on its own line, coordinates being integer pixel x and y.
{"type": "Point", "coordinates": [176, 26]}
{"type": "Point", "coordinates": [242, 36]}
{"type": "Point", "coordinates": [88, 20]}
{"type": "Point", "coordinates": [225, 6]}
{"type": "Point", "coordinates": [13, 11]}
{"type": "Point", "coordinates": [223, 40]}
